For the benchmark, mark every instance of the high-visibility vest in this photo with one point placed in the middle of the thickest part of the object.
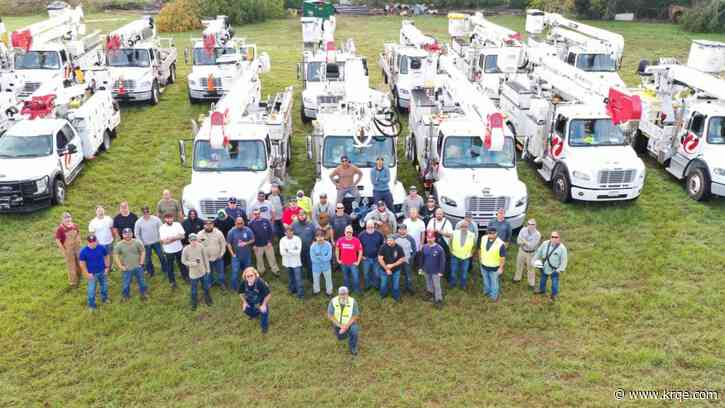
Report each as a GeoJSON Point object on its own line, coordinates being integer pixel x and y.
{"type": "Point", "coordinates": [343, 314]}
{"type": "Point", "coordinates": [491, 257]}
{"type": "Point", "coordinates": [462, 251]}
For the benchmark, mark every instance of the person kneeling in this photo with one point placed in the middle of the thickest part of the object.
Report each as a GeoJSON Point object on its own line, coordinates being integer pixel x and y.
{"type": "Point", "coordinates": [343, 312]}
{"type": "Point", "coordinates": [255, 295]}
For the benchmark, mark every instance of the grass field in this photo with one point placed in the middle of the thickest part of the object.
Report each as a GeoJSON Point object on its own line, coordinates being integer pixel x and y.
{"type": "Point", "coordinates": [641, 304]}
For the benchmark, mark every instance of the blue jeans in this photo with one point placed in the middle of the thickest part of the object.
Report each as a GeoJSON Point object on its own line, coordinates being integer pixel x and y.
{"type": "Point", "coordinates": [294, 281]}
{"type": "Point", "coordinates": [351, 277]}
{"type": "Point", "coordinates": [205, 283]}
{"type": "Point", "coordinates": [371, 272]}
{"type": "Point", "coordinates": [490, 282]}
{"type": "Point", "coordinates": [253, 311]}
{"type": "Point", "coordinates": [385, 196]}
{"type": "Point", "coordinates": [554, 283]}
{"type": "Point", "coordinates": [128, 276]}
{"type": "Point", "coordinates": [98, 279]}
{"type": "Point", "coordinates": [216, 276]}
{"type": "Point", "coordinates": [351, 335]}
{"type": "Point", "coordinates": [407, 269]}
{"type": "Point", "coordinates": [155, 247]}
{"type": "Point", "coordinates": [168, 265]}
{"type": "Point", "coordinates": [395, 276]}
{"type": "Point", "coordinates": [239, 264]}
{"type": "Point", "coordinates": [462, 265]}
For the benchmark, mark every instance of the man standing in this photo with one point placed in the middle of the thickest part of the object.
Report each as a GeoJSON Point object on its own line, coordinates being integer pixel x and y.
{"type": "Point", "coordinates": [493, 258]}
{"type": "Point", "coordinates": [554, 258]}
{"type": "Point", "coordinates": [192, 225]}
{"type": "Point", "coordinates": [124, 219]}
{"type": "Point", "coordinates": [383, 218]}
{"type": "Point", "coordinates": [277, 203]}
{"type": "Point", "coordinates": [234, 211]}
{"type": "Point", "coordinates": [215, 245]}
{"type": "Point", "coordinates": [380, 177]}
{"type": "Point", "coordinates": [320, 256]}
{"type": "Point", "coordinates": [239, 243]}
{"type": "Point", "coordinates": [428, 211]}
{"type": "Point", "coordinates": [349, 254]}
{"type": "Point", "coordinates": [129, 256]}
{"type": "Point", "coordinates": [371, 241]}
{"type": "Point", "coordinates": [146, 230]}
{"type": "Point", "coordinates": [68, 239]}
{"type": "Point", "coordinates": [412, 201]}
{"type": "Point", "coordinates": [170, 235]}
{"type": "Point", "coordinates": [472, 225]}
{"type": "Point", "coordinates": [434, 265]}
{"type": "Point", "coordinates": [194, 257]}
{"type": "Point", "coordinates": [463, 243]}
{"type": "Point", "coordinates": [390, 257]}
{"type": "Point", "coordinates": [306, 232]}
{"type": "Point", "coordinates": [304, 202]}
{"type": "Point", "coordinates": [339, 222]}
{"type": "Point", "coordinates": [255, 296]}
{"type": "Point", "coordinates": [502, 227]}
{"type": "Point", "coordinates": [168, 205]}
{"type": "Point", "coordinates": [266, 210]}
{"type": "Point", "coordinates": [322, 207]}
{"type": "Point", "coordinates": [346, 177]}
{"type": "Point", "coordinates": [263, 235]}
{"type": "Point", "coordinates": [528, 240]}
{"type": "Point", "coordinates": [290, 213]}
{"type": "Point", "coordinates": [416, 229]}
{"type": "Point", "coordinates": [102, 227]}
{"type": "Point", "coordinates": [344, 312]}
{"type": "Point", "coordinates": [290, 247]}
{"type": "Point", "coordinates": [94, 262]}
{"type": "Point", "coordinates": [405, 241]}
{"type": "Point", "coordinates": [441, 226]}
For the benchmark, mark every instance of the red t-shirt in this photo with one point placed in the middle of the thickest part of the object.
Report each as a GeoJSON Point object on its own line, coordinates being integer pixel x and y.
{"type": "Point", "coordinates": [349, 249]}
{"type": "Point", "coordinates": [62, 229]}
{"type": "Point", "coordinates": [289, 214]}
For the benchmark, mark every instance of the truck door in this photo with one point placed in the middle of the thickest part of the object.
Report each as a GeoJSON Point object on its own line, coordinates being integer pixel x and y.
{"type": "Point", "coordinates": [557, 138]}
{"type": "Point", "coordinates": [691, 141]}
{"type": "Point", "coordinates": [69, 150]}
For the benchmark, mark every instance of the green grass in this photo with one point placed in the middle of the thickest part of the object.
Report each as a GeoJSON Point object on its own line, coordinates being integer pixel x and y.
{"type": "Point", "coordinates": [641, 304]}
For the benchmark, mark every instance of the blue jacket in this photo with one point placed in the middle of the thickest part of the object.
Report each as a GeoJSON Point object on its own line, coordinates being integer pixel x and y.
{"type": "Point", "coordinates": [320, 256]}
{"type": "Point", "coordinates": [380, 178]}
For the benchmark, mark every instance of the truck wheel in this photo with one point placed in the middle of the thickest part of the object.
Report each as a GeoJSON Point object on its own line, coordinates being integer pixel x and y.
{"type": "Point", "coordinates": [192, 100]}
{"type": "Point", "coordinates": [698, 184]}
{"type": "Point", "coordinates": [305, 118]}
{"type": "Point", "coordinates": [561, 185]}
{"type": "Point", "coordinates": [640, 143]}
{"type": "Point", "coordinates": [106, 141]}
{"type": "Point", "coordinates": [385, 78]}
{"type": "Point", "coordinates": [155, 93]}
{"type": "Point", "coordinates": [58, 192]}
{"type": "Point", "coordinates": [172, 73]}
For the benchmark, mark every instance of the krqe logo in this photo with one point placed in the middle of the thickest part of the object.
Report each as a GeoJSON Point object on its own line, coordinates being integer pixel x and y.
{"type": "Point", "coordinates": [557, 146]}
{"type": "Point", "coordinates": [690, 143]}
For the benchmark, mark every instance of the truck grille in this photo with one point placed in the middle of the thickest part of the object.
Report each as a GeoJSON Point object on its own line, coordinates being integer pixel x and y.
{"type": "Point", "coordinates": [29, 88]}
{"type": "Point", "coordinates": [616, 178]}
{"type": "Point", "coordinates": [209, 208]}
{"type": "Point", "coordinates": [484, 208]}
{"type": "Point", "coordinates": [329, 99]}
{"type": "Point", "coordinates": [128, 84]}
{"type": "Point", "coordinates": [204, 82]}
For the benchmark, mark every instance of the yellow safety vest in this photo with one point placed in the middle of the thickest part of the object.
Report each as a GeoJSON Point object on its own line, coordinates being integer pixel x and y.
{"type": "Point", "coordinates": [306, 204]}
{"type": "Point", "coordinates": [462, 251]}
{"type": "Point", "coordinates": [491, 257]}
{"type": "Point", "coordinates": [343, 314]}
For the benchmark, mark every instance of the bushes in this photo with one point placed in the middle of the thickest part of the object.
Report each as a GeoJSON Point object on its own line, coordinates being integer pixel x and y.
{"type": "Point", "coordinates": [179, 16]}
{"type": "Point", "coordinates": [244, 11]}
{"type": "Point", "coordinates": [705, 18]}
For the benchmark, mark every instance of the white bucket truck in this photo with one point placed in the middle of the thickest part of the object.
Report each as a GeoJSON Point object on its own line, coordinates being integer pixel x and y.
{"type": "Point", "coordinates": [459, 127]}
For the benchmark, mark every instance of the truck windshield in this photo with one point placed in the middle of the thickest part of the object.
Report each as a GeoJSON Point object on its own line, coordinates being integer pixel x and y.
{"type": "Point", "coordinates": [716, 130]}
{"type": "Point", "coordinates": [128, 57]}
{"type": "Point", "coordinates": [596, 63]}
{"type": "Point", "coordinates": [469, 152]}
{"type": "Point", "coordinates": [337, 146]}
{"type": "Point", "coordinates": [20, 146]}
{"type": "Point", "coordinates": [240, 155]}
{"type": "Point", "coordinates": [317, 71]}
{"type": "Point", "coordinates": [37, 60]}
{"type": "Point", "coordinates": [595, 132]}
{"type": "Point", "coordinates": [202, 56]}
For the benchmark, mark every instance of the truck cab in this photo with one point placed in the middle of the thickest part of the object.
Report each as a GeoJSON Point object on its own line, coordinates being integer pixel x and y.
{"type": "Point", "coordinates": [140, 72]}
{"type": "Point", "coordinates": [404, 69]}
{"type": "Point", "coordinates": [214, 69]}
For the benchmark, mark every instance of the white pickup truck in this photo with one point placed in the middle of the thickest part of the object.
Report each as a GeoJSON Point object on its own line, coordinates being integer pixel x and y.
{"type": "Point", "coordinates": [45, 149]}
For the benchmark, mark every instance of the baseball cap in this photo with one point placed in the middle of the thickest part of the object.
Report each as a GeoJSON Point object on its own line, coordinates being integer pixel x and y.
{"type": "Point", "coordinates": [208, 221]}
{"type": "Point", "coordinates": [221, 213]}
{"type": "Point", "coordinates": [402, 226]}
{"type": "Point", "coordinates": [343, 290]}
{"type": "Point", "coordinates": [381, 204]}
{"type": "Point", "coordinates": [233, 200]}
{"type": "Point", "coordinates": [193, 237]}
{"type": "Point", "coordinates": [92, 238]}
{"type": "Point", "coordinates": [323, 195]}
{"type": "Point", "coordinates": [468, 214]}
{"type": "Point", "coordinates": [430, 234]}
{"type": "Point", "coordinates": [300, 193]}
{"type": "Point", "coordinates": [413, 188]}
{"type": "Point", "coordinates": [127, 231]}
{"type": "Point", "coordinates": [261, 193]}
{"type": "Point", "coordinates": [391, 237]}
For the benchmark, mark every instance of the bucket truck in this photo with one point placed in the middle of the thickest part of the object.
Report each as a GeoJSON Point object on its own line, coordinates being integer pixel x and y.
{"type": "Point", "coordinates": [486, 52]}
{"type": "Point", "coordinates": [458, 131]}
{"type": "Point", "coordinates": [362, 127]}
{"type": "Point", "coordinates": [140, 63]}
{"type": "Point", "coordinates": [683, 118]}
{"type": "Point", "coordinates": [593, 50]}
{"type": "Point", "coordinates": [217, 59]}
{"type": "Point", "coordinates": [44, 150]}
{"type": "Point", "coordinates": [318, 24]}
{"type": "Point", "coordinates": [569, 123]}
{"type": "Point", "coordinates": [242, 146]}
{"type": "Point", "coordinates": [410, 64]}
{"type": "Point", "coordinates": [52, 51]}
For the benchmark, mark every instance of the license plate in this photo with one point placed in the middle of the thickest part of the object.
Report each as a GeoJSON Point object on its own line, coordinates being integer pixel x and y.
{"type": "Point", "coordinates": [211, 94]}
{"type": "Point", "coordinates": [614, 193]}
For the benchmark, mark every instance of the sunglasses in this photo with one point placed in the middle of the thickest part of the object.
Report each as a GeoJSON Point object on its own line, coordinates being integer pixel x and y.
{"type": "Point", "coordinates": [555, 236]}
{"type": "Point", "coordinates": [345, 161]}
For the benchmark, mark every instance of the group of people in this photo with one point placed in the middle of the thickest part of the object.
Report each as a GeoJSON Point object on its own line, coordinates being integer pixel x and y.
{"type": "Point", "coordinates": [375, 252]}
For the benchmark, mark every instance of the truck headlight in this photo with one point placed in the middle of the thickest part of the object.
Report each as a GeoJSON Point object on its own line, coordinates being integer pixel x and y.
{"type": "Point", "coordinates": [449, 202]}
{"type": "Point", "coordinates": [521, 201]}
{"type": "Point", "coordinates": [192, 82]}
{"type": "Point", "coordinates": [41, 185]}
{"type": "Point", "coordinates": [145, 84]}
{"type": "Point", "coordinates": [403, 91]}
{"type": "Point", "coordinates": [719, 171]}
{"type": "Point", "coordinates": [581, 175]}
{"type": "Point", "coordinates": [308, 100]}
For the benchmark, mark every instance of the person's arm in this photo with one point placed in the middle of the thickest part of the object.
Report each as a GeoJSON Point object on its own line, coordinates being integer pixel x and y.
{"type": "Point", "coordinates": [384, 176]}
{"type": "Point", "coordinates": [337, 255]}
{"type": "Point", "coordinates": [381, 261]}
{"type": "Point", "coordinates": [107, 262]}
{"type": "Point", "coordinates": [399, 262]}
{"type": "Point", "coordinates": [231, 250]}
{"type": "Point", "coordinates": [84, 269]}
{"type": "Point", "coordinates": [60, 244]}
{"type": "Point", "coordinates": [251, 240]}
{"type": "Point", "coordinates": [564, 258]}
{"type": "Point", "coordinates": [118, 262]}
{"type": "Point", "coordinates": [520, 241]}
{"type": "Point", "coordinates": [181, 210]}
{"type": "Point", "coordinates": [357, 176]}
{"type": "Point", "coordinates": [359, 256]}
{"type": "Point", "coordinates": [137, 231]}
{"type": "Point", "coordinates": [142, 258]}
{"type": "Point", "coordinates": [502, 261]}
{"type": "Point", "coordinates": [327, 255]}
{"type": "Point", "coordinates": [263, 306]}
{"type": "Point", "coordinates": [314, 256]}
{"type": "Point", "coordinates": [242, 299]}
{"type": "Point", "coordinates": [333, 175]}
{"type": "Point", "coordinates": [298, 249]}
{"type": "Point", "coordinates": [442, 263]}
{"type": "Point", "coordinates": [447, 230]}
{"type": "Point", "coordinates": [185, 258]}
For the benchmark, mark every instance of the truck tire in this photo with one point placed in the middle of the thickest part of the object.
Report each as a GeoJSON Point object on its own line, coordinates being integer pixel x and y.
{"type": "Point", "coordinates": [396, 101]}
{"type": "Point", "coordinates": [698, 184]}
{"type": "Point", "coordinates": [561, 185]}
{"type": "Point", "coordinates": [172, 74]}
{"type": "Point", "coordinates": [192, 100]}
{"type": "Point", "coordinates": [106, 141]}
{"type": "Point", "coordinates": [305, 118]}
{"type": "Point", "coordinates": [155, 95]}
{"type": "Point", "coordinates": [59, 190]}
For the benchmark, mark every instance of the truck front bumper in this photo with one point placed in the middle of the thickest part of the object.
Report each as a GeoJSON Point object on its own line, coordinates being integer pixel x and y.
{"type": "Point", "coordinates": [516, 221]}
{"type": "Point", "coordinates": [131, 96]}
{"type": "Point", "coordinates": [18, 203]}
{"type": "Point", "coordinates": [622, 194]}
{"type": "Point", "coordinates": [311, 113]}
{"type": "Point", "coordinates": [205, 94]}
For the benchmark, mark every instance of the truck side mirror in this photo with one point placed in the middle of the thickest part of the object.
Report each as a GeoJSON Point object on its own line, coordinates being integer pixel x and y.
{"type": "Point", "coordinates": [409, 153]}
{"type": "Point", "coordinates": [309, 147]}
{"type": "Point", "coordinates": [182, 153]}
{"type": "Point", "coordinates": [71, 148]}
{"type": "Point", "coordinates": [186, 56]}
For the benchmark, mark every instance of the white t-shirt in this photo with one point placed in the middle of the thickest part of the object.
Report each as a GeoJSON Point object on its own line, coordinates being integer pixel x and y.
{"type": "Point", "coordinates": [444, 227]}
{"type": "Point", "coordinates": [168, 231]}
{"type": "Point", "coordinates": [102, 229]}
{"type": "Point", "coordinates": [290, 249]}
{"type": "Point", "coordinates": [415, 229]}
